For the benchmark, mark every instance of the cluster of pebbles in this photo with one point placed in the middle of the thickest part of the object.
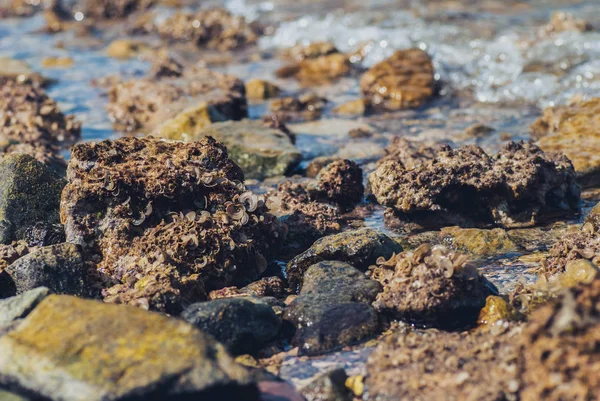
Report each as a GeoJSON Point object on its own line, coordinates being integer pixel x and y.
{"type": "Point", "coordinates": [203, 248]}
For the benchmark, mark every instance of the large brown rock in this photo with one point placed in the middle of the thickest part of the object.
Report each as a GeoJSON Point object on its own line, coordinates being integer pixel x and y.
{"type": "Point", "coordinates": [166, 221]}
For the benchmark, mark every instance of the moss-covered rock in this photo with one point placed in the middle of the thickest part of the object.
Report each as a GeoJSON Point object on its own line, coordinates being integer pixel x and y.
{"type": "Point", "coordinates": [359, 248]}
{"type": "Point", "coordinates": [73, 350]}
{"type": "Point", "coordinates": [29, 192]}
{"type": "Point", "coordinates": [496, 309]}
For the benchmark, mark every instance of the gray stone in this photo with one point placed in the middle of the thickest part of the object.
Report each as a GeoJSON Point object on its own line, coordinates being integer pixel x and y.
{"type": "Point", "coordinates": [19, 306]}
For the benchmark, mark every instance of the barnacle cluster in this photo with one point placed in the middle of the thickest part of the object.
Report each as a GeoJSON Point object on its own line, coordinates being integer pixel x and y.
{"type": "Point", "coordinates": [432, 286]}
{"type": "Point", "coordinates": [31, 123]}
{"type": "Point", "coordinates": [580, 244]}
{"type": "Point", "coordinates": [167, 221]}
{"type": "Point", "coordinates": [339, 182]}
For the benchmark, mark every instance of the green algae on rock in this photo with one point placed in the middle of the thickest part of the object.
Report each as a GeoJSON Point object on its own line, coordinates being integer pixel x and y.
{"type": "Point", "coordinates": [404, 80]}
{"type": "Point", "coordinates": [260, 151]}
{"type": "Point", "coordinates": [167, 220]}
{"type": "Point", "coordinates": [359, 248]}
{"type": "Point", "coordinates": [496, 309]}
{"type": "Point", "coordinates": [29, 194]}
{"type": "Point", "coordinates": [243, 325]}
{"type": "Point", "coordinates": [79, 350]}
{"type": "Point", "coordinates": [573, 130]}
{"type": "Point", "coordinates": [478, 242]}
{"type": "Point", "coordinates": [431, 286]}
{"type": "Point", "coordinates": [516, 187]}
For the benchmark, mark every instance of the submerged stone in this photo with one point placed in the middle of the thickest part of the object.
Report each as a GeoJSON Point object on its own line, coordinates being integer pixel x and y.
{"type": "Point", "coordinates": [404, 80]}
{"type": "Point", "coordinates": [96, 351]}
{"type": "Point", "coordinates": [431, 286]}
{"type": "Point", "coordinates": [166, 221]}
{"type": "Point", "coordinates": [359, 248]}
{"type": "Point", "coordinates": [517, 187]}
{"type": "Point", "coordinates": [243, 325]}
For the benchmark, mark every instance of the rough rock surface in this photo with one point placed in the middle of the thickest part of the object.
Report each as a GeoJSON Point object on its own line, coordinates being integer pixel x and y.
{"type": "Point", "coordinates": [243, 325]}
{"type": "Point", "coordinates": [32, 123]}
{"type": "Point", "coordinates": [75, 350]}
{"type": "Point", "coordinates": [330, 386]}
{"type": "Point", "coordinates": [29, 196]}
{"type": "Point", "coordinates": [437, 365]}
{"type": "Point", "coordinates": [575, 131]}
{"type": "Point", "coordinates": [580, 244]}
{"type": "Point", "coordinates": [431, 286]}
{"type": "Point", "coordinates": [561, 358]}
{"type": "Point", "coordinates": [167, 221]}
{"type": "Point", "coordinates": [478, 242]}
{"type": "Point", "coordinates": [315, 70]}
{"type": "Point", "coordinates": [318, 163]}
{"type": "Point", "coordinates": [305, 219]}
{"type": "Point", "coordinates": [410, 153]}
{"type": "Point", "coordinates": [339, 182]}
{"type": "Point", "coordinates": [103, 9]}
{"type": "Point", "coordinates": [214, 28]}
{"type": "Point", "coordinates": [360, 248]}
{"type": "Point", "coordinates": [259, 150]}
{"type": "Point", "coordinates": [174, 104]}
{"type": "Point", "coordinates": [265, 287]}
{"type": "Point", "coordinates": [333, 308]}
{"type": "Point", "coordinates": [516, 187]}
{"type": "Point", "coordinates": [260, 89]}
{"type": "Point", "coordinates": [306, 107]}
{"type": "Point", "coordinates": [402, 81]}
{"type": "Point", "coordinates": [57, 267]}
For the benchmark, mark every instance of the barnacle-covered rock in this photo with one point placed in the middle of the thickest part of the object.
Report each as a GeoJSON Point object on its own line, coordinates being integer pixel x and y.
{"type": "Point", "coordinates": [318, 163]}
{"type": "Point", "coordinates": [339, 182]}
{"type": "Point", "coordinates": [305, 107]}
{"type": "Point", "coordinates": [214, 28]}
{"type": "Point", "coordinates": [32, 123]}
{"type": "Point", "coordinates": [360, 248]}
{"type": "Point", "coordinates": [431, 286]}
{"type": "Point", "coordinates": [561, 358]}
{"type": "Point", "coordinates": [172, 105]}
{"type": "Point", "coordinates": [402, 81]}
{"type": "Point", "coordinates": [575, 131]}
{"type": "Point", "coordinates": [439, 365]}
{"type": "Point", "coordinates": [305, 219]}
{"type": "Point", "coordinates": [259, 150]}
{"type": "Point", "coordinates": [167, 220]}
{"type": "Point", "coordinates": [410, 153]}
{"type": "Point", "coordinates": [73, 349]}
{"type": "Point", "coordinates": [581, 244]}
{"type": "Point", "coordinates": [515, 187]}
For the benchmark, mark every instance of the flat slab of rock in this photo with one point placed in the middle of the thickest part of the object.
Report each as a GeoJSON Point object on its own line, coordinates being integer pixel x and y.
{"type": "Point", "coordinates": [575, 131]}
{"type": "Point", "coordinates": [359, 248]}
{"type": "Point", "coordinates": [71, 349]}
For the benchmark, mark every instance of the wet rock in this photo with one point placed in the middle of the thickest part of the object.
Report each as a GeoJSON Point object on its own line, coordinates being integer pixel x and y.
{"type": "Point", "coordinates": [29, 195]}
{"type": "Point", "coordinates": [410, 153]}
{"type": "Point", "coordinates": [351, 108]}
{"type": "Point", "coordinates": [32, 123]}
{"type": "Point", "coordinates": [330, 386]}
{"type": "Point", "coordinates": [319, 69]}
{"type": "Point", "coordinates": [560, 361]}
{"type": "Point", "coordinates": [13, 251]}
{"type": "Point", "coordinates": [214, 28]}
{"type": "Point", "coordinates": [265, 287]}
{"type": "Point", "coordinates": [243, 325]}
{"type": "Point", "coordinates": [333, 308]}
{"type": "Point", "coordinates": [166, 66]}
{"type": "Point", "coordinates": [173, 105]}
{"type": "Point", "coordinates": [404, 80]}
{"type": "Point", "coordinates": [124, 49]}
{"type": "Point", "coordinates": [478, 242]}
{"type": "Point", "coordinates": [110, 352]}
{"type": "Point", "coordinates": [166, 220]}
{"type": "Point", "coordinates": [496, 310]}
{"type": "Point", "coordinates": [339, 182]}
{"type": "Point", "coordinates": [581, 244]}
{"type": "Point", "coordinates": [593, 217]}
{"type": "Point", "coordinates": [305, 219]}
{"type": "Point", "coordinates": [478, 131]}
{"type": "Point", "coordinates": [104, 9]}
{"type": "Point", "coordinates": [260, 151]}
{"type": "Point", "coordinates": [516, 187]}
{"type": "Point", "coordinates": [18, 8]}
{"type": "Point", "coordinates": [19, 71]}
{"type": "Point", "coordinates": [562, 22]}
{"type": "Point", "coordinates": [261, 89]}
{"type": "Point", "coordinates": [18, 307]}
{"type": "Point", "coordinates": [57, 62]}
{"type": "Point", "coordinates": [318, 163]}
{"type": "Point", "coordinates": [304, 108]}
{"type": "Point", "coordinates": [360, 248]}
{"type": "Point", "coordinates": [9, 396]}
{"type": "Point", "coordinates": [431, 286]}
{"type": "Point", "coordinates": [578, 271]}
{"type": "Point", "coordinates": [57, 267]}
{"type": "Point", "coordinates": [311, 51]}
{"type": "Point", "coordinates": [438, 365]}
{"type": "Point", "coordinates": [573, 130]}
